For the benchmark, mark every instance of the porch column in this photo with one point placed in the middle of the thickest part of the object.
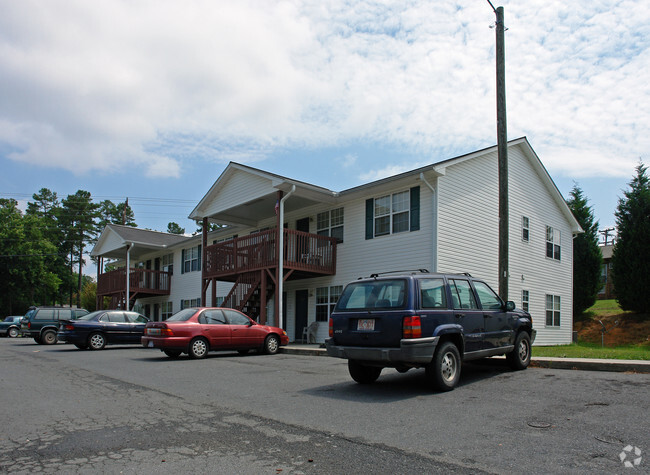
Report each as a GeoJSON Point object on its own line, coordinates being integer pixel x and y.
{"type": "Point", "coordinates": [99, 272]}
{"type": "Point", "coordinates": [204, 241]}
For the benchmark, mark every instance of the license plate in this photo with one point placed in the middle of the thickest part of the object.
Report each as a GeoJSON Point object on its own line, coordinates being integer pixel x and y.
{"type": "Point", "coordinates": [366, 324]}
{"type": "Point", "coordinates": [150, 345]}
{"type": "Point", "coordinates": [153, 331]}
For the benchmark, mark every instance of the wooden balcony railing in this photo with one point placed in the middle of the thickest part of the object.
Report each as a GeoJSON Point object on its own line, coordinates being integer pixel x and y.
{"type": "Point", "coordinates": [144, 281]}
{"type": "Point", "coordinates": [302, 252]}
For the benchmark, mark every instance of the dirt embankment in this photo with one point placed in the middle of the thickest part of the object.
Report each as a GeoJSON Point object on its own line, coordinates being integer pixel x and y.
{"type": "Point", "coordinates": [632, 329]}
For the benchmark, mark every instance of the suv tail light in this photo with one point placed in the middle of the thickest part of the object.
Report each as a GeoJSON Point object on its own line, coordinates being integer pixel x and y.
{"type": "Point", "coordinates": [411, 327]}
{"type": "Point", "coordinates": [331, 325]}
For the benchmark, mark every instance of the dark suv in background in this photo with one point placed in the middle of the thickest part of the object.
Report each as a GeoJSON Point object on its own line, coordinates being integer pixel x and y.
{"type": "Point", "coordinates": [423, 320]}
{"type": "Point", "coordinates": [42, 323]}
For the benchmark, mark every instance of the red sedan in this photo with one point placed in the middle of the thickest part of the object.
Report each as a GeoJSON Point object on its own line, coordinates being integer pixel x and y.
{"type": "Point", "coordinates": [196, 331]}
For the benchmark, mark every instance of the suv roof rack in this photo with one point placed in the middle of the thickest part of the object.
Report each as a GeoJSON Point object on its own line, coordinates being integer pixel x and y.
{"type": "Point", "coordinates": [413, 271]}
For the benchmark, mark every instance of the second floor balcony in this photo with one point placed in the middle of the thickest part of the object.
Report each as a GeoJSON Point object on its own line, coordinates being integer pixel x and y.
{"type": "Point", "coordinates": [305, 254]}
{"type": "Point", "coordinates": [142, 282]}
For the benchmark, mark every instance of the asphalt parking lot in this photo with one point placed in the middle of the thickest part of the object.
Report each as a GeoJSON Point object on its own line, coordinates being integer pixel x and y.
{"type": "Point", "coordinates": [131, 410]}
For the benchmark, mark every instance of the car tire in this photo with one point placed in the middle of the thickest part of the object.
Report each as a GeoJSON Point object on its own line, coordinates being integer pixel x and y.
{"type": "Point", "coordinates": [519, 358]}
{"type": "Point", "coordinates": [48, 337]}
{"type": "Point", "coordinates": [13, 332]}
{"type": "Point", "coordinates": [96, 341]}
{"type": "Point", "coordinates": [198, 348]}
{"type": "Point", "coordinates": [37, 339]}
{"type": "Point", "coordinates": [173, 353]}
{"type": "Point", "coordinates": [444, 371]}
{"type": "Point", "coordinates": [81, 346]}
{"type": "Point", "coordinates": [363, 374]}
{"type": "Point", "coordinates": [271, 345]}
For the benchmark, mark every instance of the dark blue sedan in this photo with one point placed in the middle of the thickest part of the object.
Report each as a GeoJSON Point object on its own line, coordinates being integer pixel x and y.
{"type": "Point", "coordinates": [97, 329]}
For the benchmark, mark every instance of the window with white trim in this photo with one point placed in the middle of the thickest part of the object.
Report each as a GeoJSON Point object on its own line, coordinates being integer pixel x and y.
{"type": "Point", "coordinates": [330, 223]}
{"type": "Point", "coordinates": [191, 259]}
{"type": "Point", "coordinates": [553, 248]}
{"type": "Point", "coordinates": [525, 229]}
{"type": "Point", "coordinates": [166, 310]}
{"type": "Point", "coordinates": [552, 310]}
{"type": "Point", "coordinates": [326, 298]}
{"type": "Point", "coordinates": [525, 300]}
{"type": "Point", "coordinates": [392, 213]}
{"type": "Point", "coordinates": [190, 303]}
{"type": "Point", "coordinates": [167, 263]}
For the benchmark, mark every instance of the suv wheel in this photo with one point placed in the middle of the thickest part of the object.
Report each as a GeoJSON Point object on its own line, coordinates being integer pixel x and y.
{"type": "Point", "coordinates": [363, 374]}
{"type": "Point", "coordinates": [519, 358]}
{"type": "Point", "coordinates": [444, 371]}
{"type": "Point", "coordinates": [49, 337]}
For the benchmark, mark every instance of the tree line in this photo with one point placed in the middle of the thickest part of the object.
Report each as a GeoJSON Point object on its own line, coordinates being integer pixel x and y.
{"type": "Point", "coordinates": [42, 249]}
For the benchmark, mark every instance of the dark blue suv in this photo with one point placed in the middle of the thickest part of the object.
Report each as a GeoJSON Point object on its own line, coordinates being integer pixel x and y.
{"type": "Point", "coordinates": [423, 320]}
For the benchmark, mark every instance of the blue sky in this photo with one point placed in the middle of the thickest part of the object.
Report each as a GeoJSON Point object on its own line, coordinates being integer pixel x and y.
{"type": "Point", "coordinates": [151, 100]}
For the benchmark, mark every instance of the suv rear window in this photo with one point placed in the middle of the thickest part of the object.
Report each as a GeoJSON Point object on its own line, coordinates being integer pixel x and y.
{"type": "Point", "coordinates": [371, 295]}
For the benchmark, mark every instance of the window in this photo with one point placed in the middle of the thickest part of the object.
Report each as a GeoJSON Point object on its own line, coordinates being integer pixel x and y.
{"type": "Point", "coordinates": [236, 318]}
{"type": "Point", "coordinates": [392, 214]}
{"type": "Point", "coordinates": [552, 243]}
{"type": "Point", "coordinates": [552, 310]}
{"type": "Point", "coordinates": [191, 259]}
{"type": "Point", "coordinates": [525, 229]}
{"type": "Point", "coordinates": [167, 263]}
{"type": "Point", "coordinates": [330, 223]}
{"type": "Point", "coordinates": [167, 310]}
{"type": "Point", "coordinates": [525, 300]}
{"type": "Point", "coordinates": [326, 298]}
{"type": "Point", "coordinates": [212, 317]}
{"type": "Point", "coordinates": [190, 303]}
{"type": "Point", "coordinates": [489, 299]}
{"type": "Point", "coordinates": [462, 295]}
{"type": "Point", "coordinates": [371, 295]}
{"type": "Point", "coordinates": [433, 293]}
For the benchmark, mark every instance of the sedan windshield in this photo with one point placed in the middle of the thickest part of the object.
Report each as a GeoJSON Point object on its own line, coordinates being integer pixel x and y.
{"type": "Point", "coordinates": [182, 316]}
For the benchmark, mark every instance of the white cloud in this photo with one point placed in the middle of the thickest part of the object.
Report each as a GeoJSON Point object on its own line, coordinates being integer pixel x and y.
{"type": "Point", "coordinates": [110, 84]}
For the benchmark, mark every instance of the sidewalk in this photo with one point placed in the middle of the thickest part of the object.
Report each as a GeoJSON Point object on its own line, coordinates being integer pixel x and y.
{"type": "Point", "coordinates": [636, 366]}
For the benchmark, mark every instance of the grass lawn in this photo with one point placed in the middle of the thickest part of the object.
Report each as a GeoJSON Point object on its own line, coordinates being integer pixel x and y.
{"type": "Point", "coordinates": [592, 350]}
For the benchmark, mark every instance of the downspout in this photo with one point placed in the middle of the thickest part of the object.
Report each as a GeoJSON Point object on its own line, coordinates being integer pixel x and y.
{"type": "Point", "coordinates": [128, 275]}
{"type": "Point", "coordinates": [281, 256]}
{"type": "Point", "coordinates": [434, 224]}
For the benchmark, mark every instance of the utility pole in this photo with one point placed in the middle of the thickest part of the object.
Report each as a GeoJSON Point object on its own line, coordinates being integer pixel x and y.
{"type": "Point", "coordinates": [502, 149]}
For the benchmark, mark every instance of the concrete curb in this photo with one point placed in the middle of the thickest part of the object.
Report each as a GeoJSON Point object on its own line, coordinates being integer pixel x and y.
{"type": "Point", "coordinates": [583, 364]}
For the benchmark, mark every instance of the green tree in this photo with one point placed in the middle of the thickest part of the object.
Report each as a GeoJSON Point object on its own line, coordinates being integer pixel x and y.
{"type": "Point", "coordinates": [631, 256]}
{"type": "Point", "coordinates": [89, 296]}
{"type": "Point", "coordinates": [587, 257]}
{"type": "Point", "coordinates": [45, 205]}
{"type": "Point", "coordinates": [79, 215]}
{"type": "Point", "coordinates": [24, 251]}
{"type": "Point", "coordinates": [111, 213]}
{"type": "Point", "coordinates": [174, 228]}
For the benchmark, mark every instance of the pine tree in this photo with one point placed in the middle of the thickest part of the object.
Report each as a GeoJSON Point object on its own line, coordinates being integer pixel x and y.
{"type": "Point", "coordinates": [631, 258]}
{"type": "Point", "coordinates": [587, 258]}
